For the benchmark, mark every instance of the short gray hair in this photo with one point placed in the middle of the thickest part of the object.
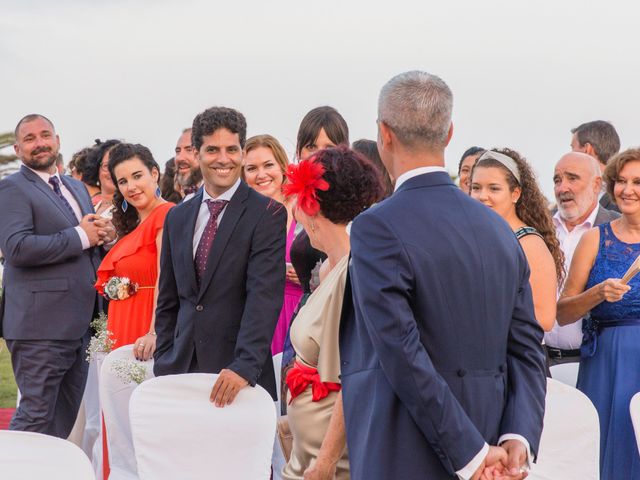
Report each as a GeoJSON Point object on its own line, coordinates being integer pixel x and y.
{"type": "Point", "coordinates": [417, 107]}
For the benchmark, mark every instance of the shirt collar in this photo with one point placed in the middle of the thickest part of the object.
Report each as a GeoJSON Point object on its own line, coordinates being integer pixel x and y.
{"type": "Point", "coordinates": [589, 221]}
{"type": "Point", "coordinates": [224, 196]}
{"type": "Point", "coordinates": [45, 176]}
{"type": "Point", "coordinates": [415, 172]}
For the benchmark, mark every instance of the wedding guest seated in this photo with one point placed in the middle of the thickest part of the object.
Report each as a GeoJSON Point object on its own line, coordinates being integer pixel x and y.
{"type": "Point", "coordinates": [369, 149]}
{"type": "Point", "coordinates": [504, 181]}
{"type": "Point", "coordinates": [265, 163]}
{"type": "Point", "coordinates": [610, 351]}
{"type": "Point", "coordinates": [329, 190]}
{"type": "Point", "coordinates": [467, 161]}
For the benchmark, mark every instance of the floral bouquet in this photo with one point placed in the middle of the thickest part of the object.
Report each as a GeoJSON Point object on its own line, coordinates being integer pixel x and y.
{"type": "Point", "coordinates": [119, 288]}
{"type": "Point", "coordinates": [129, 370]}
{"type": "Point", "coordinates": [100, 342]}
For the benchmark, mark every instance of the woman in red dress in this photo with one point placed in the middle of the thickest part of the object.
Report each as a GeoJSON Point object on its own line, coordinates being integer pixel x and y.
{"type": "Point", "coordinates": [128, 274]}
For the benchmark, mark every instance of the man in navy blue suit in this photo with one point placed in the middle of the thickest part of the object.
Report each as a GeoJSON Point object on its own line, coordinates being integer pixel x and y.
{"type": "Point", "coordinates": [49, 235]}
{"type": "Point", "coordinates": [442, 364]}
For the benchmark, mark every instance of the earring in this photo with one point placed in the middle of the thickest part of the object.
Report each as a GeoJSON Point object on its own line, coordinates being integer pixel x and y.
{"type": "Point", "coordinates": [124, 206]}
{"type": "Point", "coordinates": [158, 192]}
{"type": "Point", "coordinates": [313, 227]}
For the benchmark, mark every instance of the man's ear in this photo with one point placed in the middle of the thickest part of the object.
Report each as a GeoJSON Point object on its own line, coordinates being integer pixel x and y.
{"type": "Point", "coordinates": [386, 135]}
{"type": "Point", "coordinates": [597, 184]}
{"type": "Point", "coordinates": [449, 135]}
{"type": "Point", "coordinates": [589, 150]}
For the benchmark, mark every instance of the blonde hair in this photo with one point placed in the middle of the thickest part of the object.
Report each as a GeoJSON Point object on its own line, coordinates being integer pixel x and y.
{"type": "Point", "coordinates": [267, 141]}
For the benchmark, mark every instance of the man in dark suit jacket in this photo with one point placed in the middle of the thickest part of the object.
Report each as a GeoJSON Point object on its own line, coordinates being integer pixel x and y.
{"type": "Point", "coordinates": [47, 234]}
{"type": "Point", "coordinates": [600, 140]}
{"type": "Point", "coordinates": [441, 356]}
{"type": "Point", "coordinates": [218, 303]}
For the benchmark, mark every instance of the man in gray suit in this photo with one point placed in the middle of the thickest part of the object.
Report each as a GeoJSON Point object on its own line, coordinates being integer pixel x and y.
{"type": "Point", "coordinates": [48, 235]}
{"type": "Point", "coordinates": [577, 184]}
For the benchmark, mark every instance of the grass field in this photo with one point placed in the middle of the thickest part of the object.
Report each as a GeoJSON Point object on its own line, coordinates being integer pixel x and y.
{"type": "Point", "coordinates": [8, 387]}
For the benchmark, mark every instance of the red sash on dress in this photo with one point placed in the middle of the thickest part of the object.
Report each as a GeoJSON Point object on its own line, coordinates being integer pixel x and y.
{"type": "Point", "coordinates": [301, 376]}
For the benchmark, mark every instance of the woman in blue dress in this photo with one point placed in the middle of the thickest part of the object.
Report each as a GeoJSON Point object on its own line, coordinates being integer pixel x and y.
{"type": "Point", "coordinates": [610, 353]}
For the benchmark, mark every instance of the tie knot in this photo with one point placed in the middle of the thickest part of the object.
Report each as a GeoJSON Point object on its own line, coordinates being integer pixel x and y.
{"type": "Point", "coordinates": [216, 206]}
{"type": "Point", "coordinates": [53, 180]}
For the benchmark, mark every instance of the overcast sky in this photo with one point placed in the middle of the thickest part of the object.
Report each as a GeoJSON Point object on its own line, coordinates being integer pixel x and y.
{"type": "Point", "coordinates": [523, 73]}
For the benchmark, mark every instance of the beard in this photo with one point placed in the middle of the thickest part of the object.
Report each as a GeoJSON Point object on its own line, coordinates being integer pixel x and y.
{"type": "Point", "coordinates": [579, 207]}
{"type": "Point", "coordinates": [191, 178]}
{"type": "Point", "coordinates": [43, 164]}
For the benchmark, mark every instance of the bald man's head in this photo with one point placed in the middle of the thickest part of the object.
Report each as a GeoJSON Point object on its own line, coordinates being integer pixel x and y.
{"type": "Point", "coordinates": [577, 183]}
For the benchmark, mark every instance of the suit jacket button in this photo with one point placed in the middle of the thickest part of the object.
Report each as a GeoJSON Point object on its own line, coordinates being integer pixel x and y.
{"type": "Point", "coordinates": [199, 308]}
{"type": "Point", "coordinates": [462, 372]}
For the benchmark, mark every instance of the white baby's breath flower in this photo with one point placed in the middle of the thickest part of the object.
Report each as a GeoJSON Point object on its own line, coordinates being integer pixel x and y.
{"type": "Point", "coordinates": [129, 370]}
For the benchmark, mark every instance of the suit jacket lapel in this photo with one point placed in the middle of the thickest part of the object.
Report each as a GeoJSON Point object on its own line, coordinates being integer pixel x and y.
{"type": "Point", "coordinates": [48, 192]}
{"type": "Point", "coordinates": [84, 208]}
{"type": "Point", "coordinates": [230, 217]}
{"type": "Point", "coordinates": [188, 227]}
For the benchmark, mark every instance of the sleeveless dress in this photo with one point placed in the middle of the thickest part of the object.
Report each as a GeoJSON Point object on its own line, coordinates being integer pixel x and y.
{"type": "Point", "coordinates": [134, 256]}
{"type": "Point", "coordinates": [314, 336]}
{"type": "Point", "coordinates": [610, 359]}
{"type": "Point", "coordinates": [292, 295]}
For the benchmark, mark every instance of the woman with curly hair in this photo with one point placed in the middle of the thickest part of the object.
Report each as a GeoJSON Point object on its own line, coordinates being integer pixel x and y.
{"type": "Point", "coordinates": [504, 181]}
{"type": "Point", "coordinates": [329, 189]}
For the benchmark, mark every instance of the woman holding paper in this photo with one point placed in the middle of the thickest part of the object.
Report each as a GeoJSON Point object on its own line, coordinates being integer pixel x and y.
{"type": "Point", "coordinates": [601, 283]}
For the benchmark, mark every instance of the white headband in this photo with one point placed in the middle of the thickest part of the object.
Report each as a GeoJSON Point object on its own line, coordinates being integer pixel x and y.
{"type": "Point", "coordinates": [509, 163]}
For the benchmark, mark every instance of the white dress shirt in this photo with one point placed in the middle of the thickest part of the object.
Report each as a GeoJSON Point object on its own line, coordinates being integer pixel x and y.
{"type": "Point", "coordinates": [45, 176]}
{"type": "Point", "coordinates": [569, 337]}
{"type": "Point", "coordinates": [204, 213]}
{"type": "Point", "coordinates": [468, 470]}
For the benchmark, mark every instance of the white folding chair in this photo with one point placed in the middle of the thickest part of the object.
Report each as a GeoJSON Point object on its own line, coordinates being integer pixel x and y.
{"type": "Point", "coordinates": [570, 443]}
{"type": "Point", "coordinates": [34, 456]}
{"type": "Point", "coordinates": [179, 433]}
{"type": "Point", "coordinates": [114, 398]}
{"type": "Point", "coordinates": [566, 373]}
{"type": "Point", "coordinates": [634, 408]}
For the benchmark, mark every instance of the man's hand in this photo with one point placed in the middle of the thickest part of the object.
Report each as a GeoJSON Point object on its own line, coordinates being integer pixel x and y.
{"type": "Point", "coordinates": [93, 225]}
{"type": "Point", "coordinates": [227, 386]}
{"type": "Point", "coordinates": [320, 470]}
{"type": "Point", "coordinates": [110, 231]}
{"type": "Point", "coordinates": [516, 460]}
{"type": "Point", "coordinates": [496, 457]}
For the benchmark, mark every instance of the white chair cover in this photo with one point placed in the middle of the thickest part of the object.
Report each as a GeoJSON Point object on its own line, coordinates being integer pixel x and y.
{"type": "Point", "coordinates": [114, 398]}
{"type": "Point", "coordinates": [570, 443]}
{"type": "Point", "coordinates": [277, 461]}
{"type": "Point", "coordinates": [179, 433]}
{"type": "Point", "coordinates": [566, 373]}
{"type": "Point", "coordinates": [634, 408]}
{"type": "Point", "coordinates": [34, 456]}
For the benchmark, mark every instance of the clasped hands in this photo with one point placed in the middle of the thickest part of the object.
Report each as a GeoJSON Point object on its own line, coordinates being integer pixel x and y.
{"type": "Point", "coordinates": [505, 462]}
{"type": "Point", "coordinates": [99, 230]}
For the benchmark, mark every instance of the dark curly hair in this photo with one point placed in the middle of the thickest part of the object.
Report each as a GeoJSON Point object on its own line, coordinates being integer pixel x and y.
{"type": "Point", "coordinates": [354, 184]}
{"type": "Point", "coordinates": [126, 222]}
{"type": "Point", "coordinates": [215, 118]}
{"type": "Point", "coordinates": [91, 170]}
{"type": "Point", "coordinates": [531, 207]}
{"type": "Point", "coordinates": [327, 118]}
{"type": "Point", "coordinates": [79, 160]}
{"type": "Point", "coordinates": [467, 153]}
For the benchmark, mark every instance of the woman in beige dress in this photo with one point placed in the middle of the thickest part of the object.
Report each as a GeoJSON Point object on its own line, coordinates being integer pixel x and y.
{"type": "Point", "coordinates": [329, 189]}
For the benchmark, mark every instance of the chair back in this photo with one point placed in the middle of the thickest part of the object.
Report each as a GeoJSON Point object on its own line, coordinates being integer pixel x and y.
{"type": "Point", "coordinates": [634, 408]}
{"type": "Point", "coordinates": [34, 456]}
{"type": "Point", "coordinates": [179, 433]}
{"type": "Point", "coordinates": [115, 393]}
{"type": "Point", "coordinates": [566, 373]}
{"type": "Point", "coordinates": [570, 442]}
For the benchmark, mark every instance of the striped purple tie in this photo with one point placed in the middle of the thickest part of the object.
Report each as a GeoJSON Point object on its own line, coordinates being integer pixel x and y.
{"type": "Point", "coordinates": [208, 235]}
{"type": "Point", "coordinates": [55, 183]}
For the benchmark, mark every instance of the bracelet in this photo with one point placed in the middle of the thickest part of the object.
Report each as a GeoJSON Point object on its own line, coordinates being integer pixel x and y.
{"type": "Point", "coordinates": [153, 333]}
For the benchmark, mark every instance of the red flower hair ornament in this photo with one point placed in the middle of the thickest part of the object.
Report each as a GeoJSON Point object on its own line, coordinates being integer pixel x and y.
{"type": "Point", "coordinates": [304, 180]}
